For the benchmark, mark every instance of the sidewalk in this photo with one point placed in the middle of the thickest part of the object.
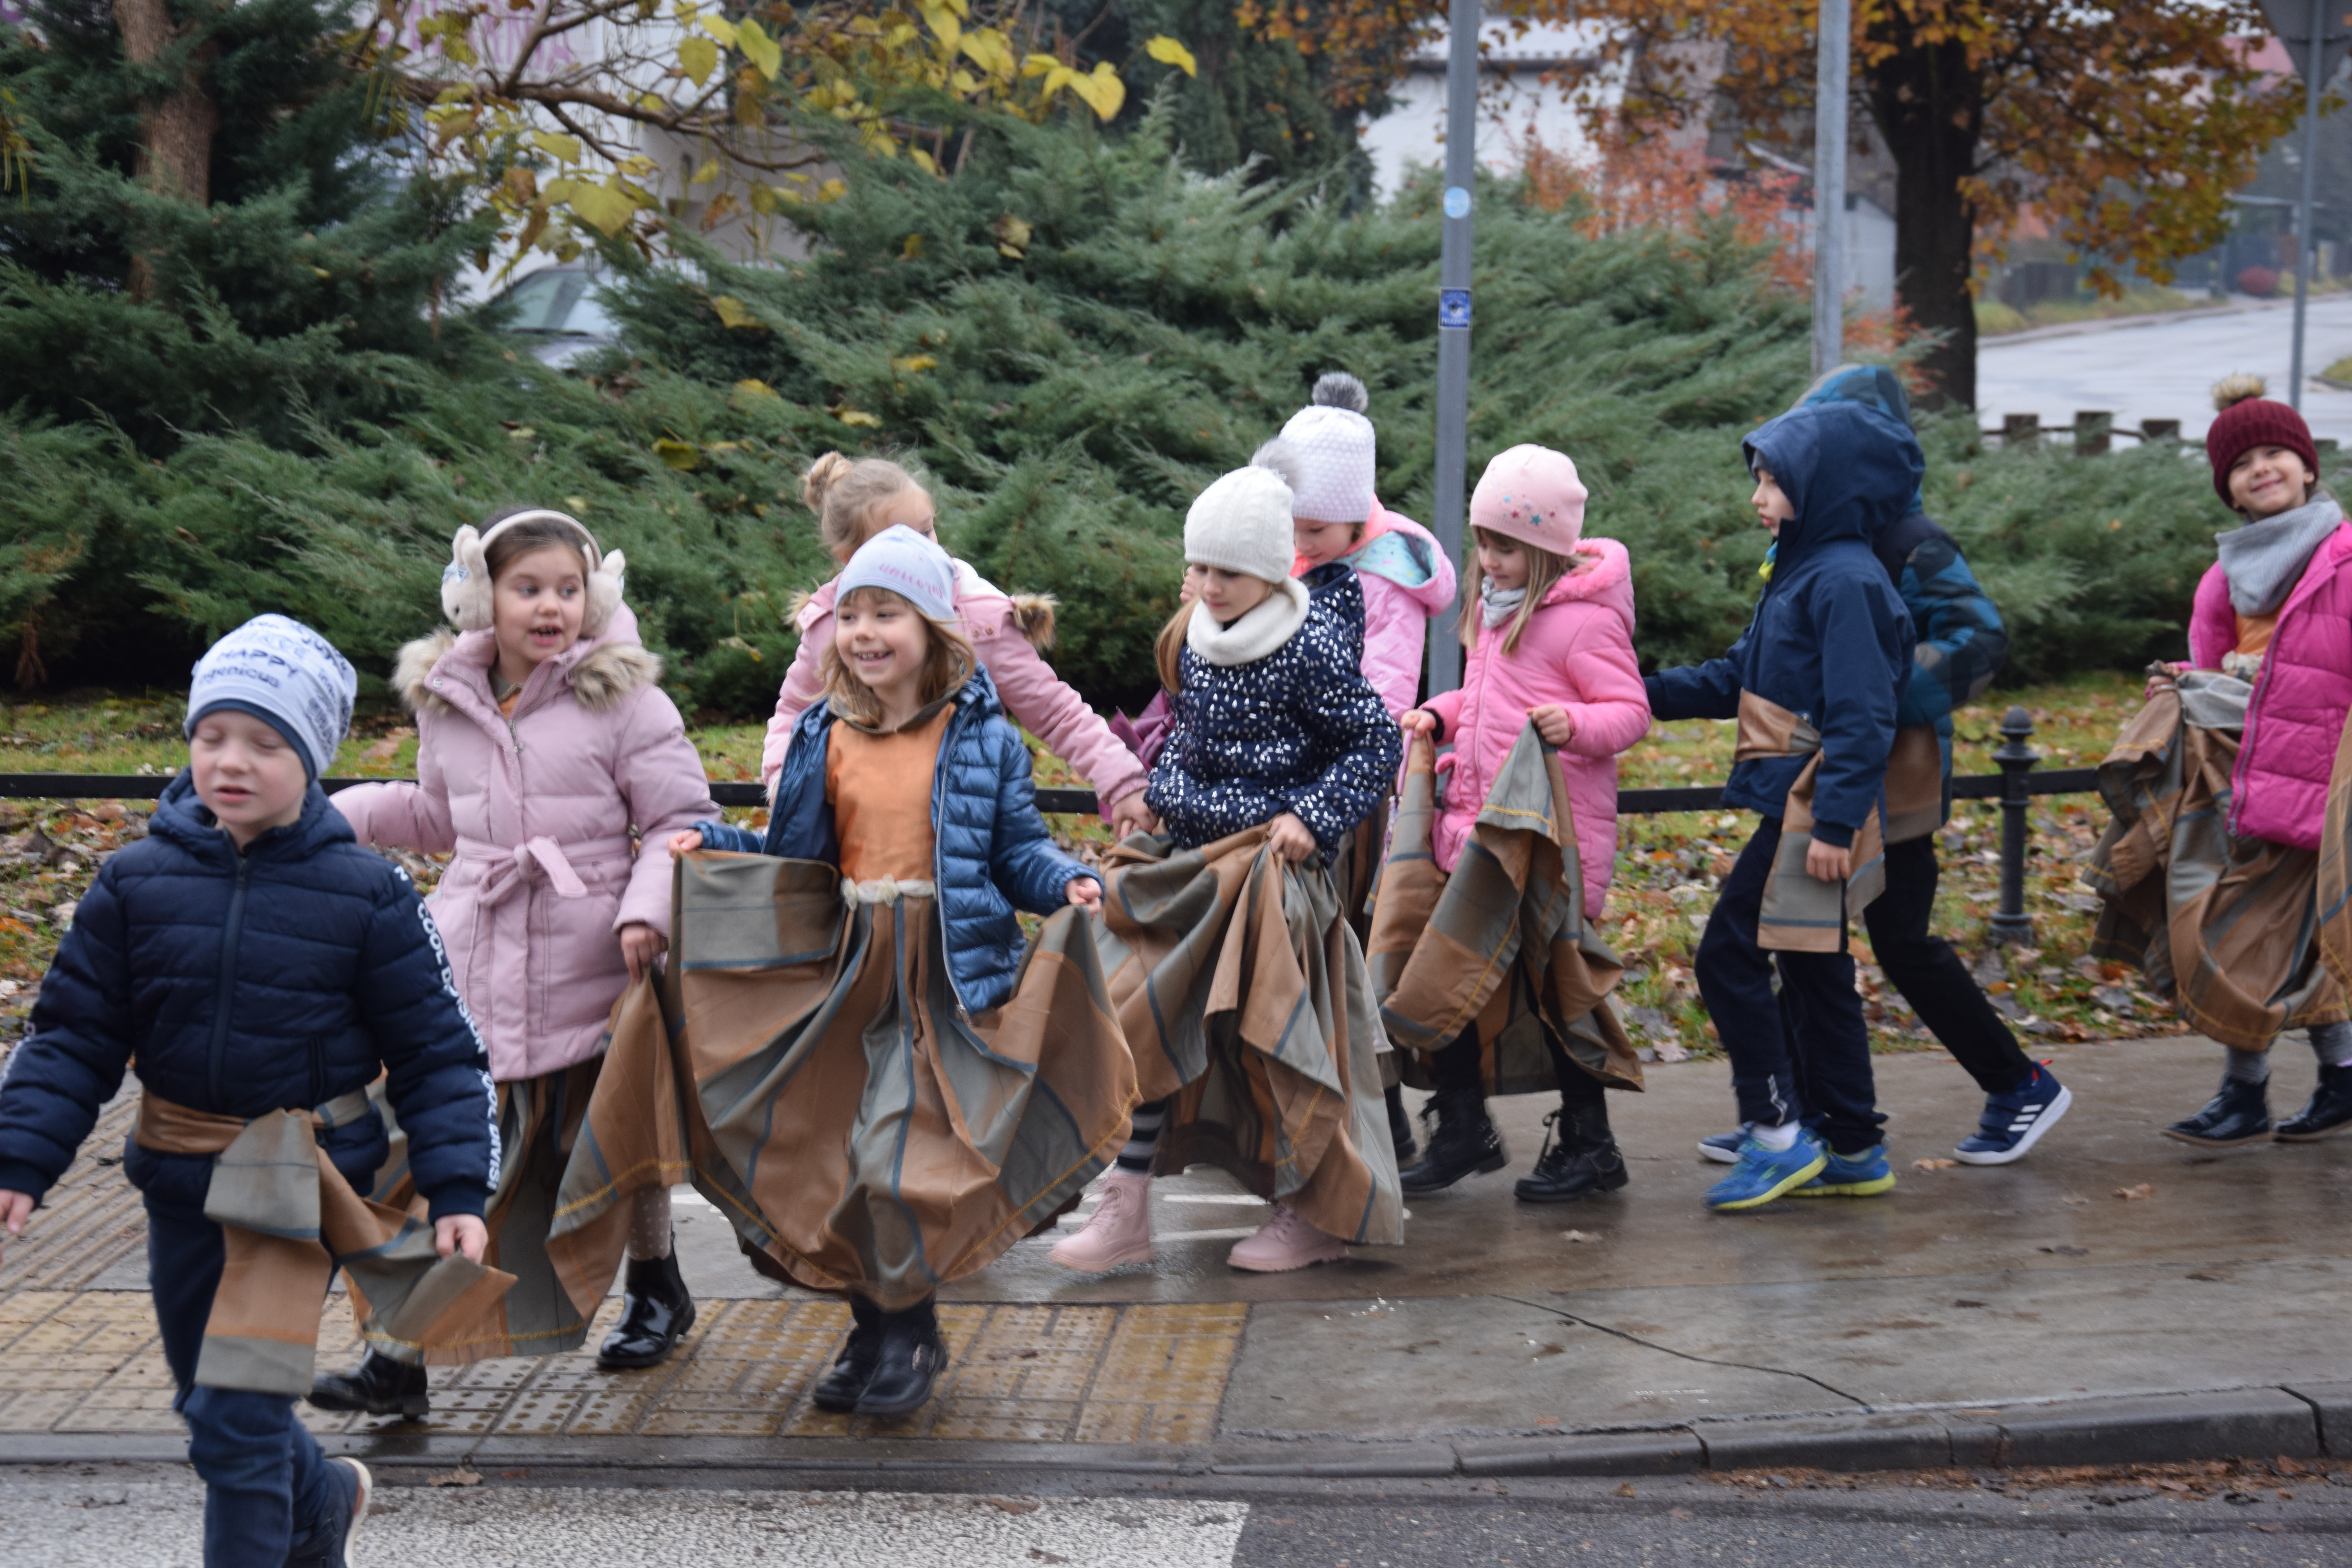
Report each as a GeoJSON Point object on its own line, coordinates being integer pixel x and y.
{"type": "Point", "coordinates": [1973, 1316]}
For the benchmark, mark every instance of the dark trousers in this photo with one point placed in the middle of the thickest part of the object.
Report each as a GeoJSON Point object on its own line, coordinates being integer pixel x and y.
{"type": "Point", "coordinates": [1931, 976]}
{"type": "Point", "coordinates": [267, 1484]}
{"type": "Point", "coordinates": [1804, 1054]}
{"type": "Point", "coordinates": [1454, 1066]}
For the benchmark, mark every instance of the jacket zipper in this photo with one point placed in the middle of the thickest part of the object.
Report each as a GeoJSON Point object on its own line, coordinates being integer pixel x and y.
{"type": "Point", "coordinates": [232, 929]}
{"type": "Point", "coordinates": [938, 886]}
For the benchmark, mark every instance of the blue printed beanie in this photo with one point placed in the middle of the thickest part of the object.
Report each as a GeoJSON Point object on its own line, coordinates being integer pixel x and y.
{"type": "Point", "coordinates": [287, 676]}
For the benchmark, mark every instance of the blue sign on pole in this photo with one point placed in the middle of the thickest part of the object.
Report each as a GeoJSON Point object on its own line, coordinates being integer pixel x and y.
{"type": "Point", "coordinates": [1454, 308]}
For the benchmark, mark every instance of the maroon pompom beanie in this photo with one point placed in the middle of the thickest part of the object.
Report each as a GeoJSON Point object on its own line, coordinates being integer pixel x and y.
{"type": "Point", "coordinates": [2255, 422]}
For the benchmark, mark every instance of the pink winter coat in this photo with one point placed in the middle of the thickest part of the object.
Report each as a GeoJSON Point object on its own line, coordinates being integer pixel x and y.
{"type": "Point", "coordinates": [2279, 791]}
{"type": "Point", "coordinates": [539, 812]}
{"type": "Point", "coordinates": [1404, 585]}
{"type": "Point", "coordinates": [1576, 652]}
{"type": "Point", "coordinates": [1039, 700]}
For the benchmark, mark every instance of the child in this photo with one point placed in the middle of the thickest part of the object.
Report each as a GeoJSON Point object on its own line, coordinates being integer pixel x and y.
{"type": "Point", "coordinates": [1241, 989]}
{"type": "Point", "coordinates": [543, 740]}
{"type": "Point", "coordinates": [1814, 683]}
{"type": "Point", "coordinates": [1961, 645]}
{"type": "Point", "coordinates": [1548, 624]}
{"type": "Point", "coordinates": [2267, 636]}
{"type": "Point", "coordinates": [262, 970]}
{"type": "Point", "coordinates": [947, 1092]}
{"type": "Point", "coordinates": [854, 502]}
{"type": "Point", "coordinates": [1340, 530]}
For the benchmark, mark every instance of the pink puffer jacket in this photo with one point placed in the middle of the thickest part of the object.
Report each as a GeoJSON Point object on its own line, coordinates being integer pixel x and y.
{"type": "Point", "coordinates": [1039, 700]}
{"type": "Point", "coordinates": [1399, 599]}
{"type": "Point", "coordinates": [2280, 789]}
{"type": "Point", "coordinates": [538, 813]}
{"type": "Point", "coordinates": [1576, 652]}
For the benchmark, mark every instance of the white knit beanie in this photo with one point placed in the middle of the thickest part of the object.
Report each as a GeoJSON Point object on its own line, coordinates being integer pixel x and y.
{"type": "Point", "coordinates": [287, 676]}
{"type": "Point", "coordinates": [1334, 442]}
{"type": "Point", "coordinates": [1241, 523]}
{"type": "Point", "coordinates": [904, 562]}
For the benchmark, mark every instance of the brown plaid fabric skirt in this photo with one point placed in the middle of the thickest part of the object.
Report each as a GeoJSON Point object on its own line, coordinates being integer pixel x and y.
{"type": "Point", "coordinates": [2226, 927]}
{"type": "Point", "coordinates": [1242, 994]}
{"type": "Point", "coordinates": [1502, 943]}
{"type": "Point", "coordinates": [805, 1058]}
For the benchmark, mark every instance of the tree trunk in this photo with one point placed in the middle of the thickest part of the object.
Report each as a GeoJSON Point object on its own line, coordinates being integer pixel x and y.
{"type": "Point", "coordinates": [175, 132]}
{"type": "Point", "coordinates": [1930, 109]}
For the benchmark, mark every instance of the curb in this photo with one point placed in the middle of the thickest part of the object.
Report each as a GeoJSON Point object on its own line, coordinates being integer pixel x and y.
{"type": "Point", "coordinates": [2303, 1422]}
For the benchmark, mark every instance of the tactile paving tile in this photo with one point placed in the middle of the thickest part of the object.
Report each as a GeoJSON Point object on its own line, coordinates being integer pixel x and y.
{"type": "Point", "coordinates": [91, 1362]}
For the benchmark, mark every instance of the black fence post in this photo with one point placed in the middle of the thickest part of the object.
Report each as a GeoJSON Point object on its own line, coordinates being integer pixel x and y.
{"type": "Point", "coordinates": [2010, 922]}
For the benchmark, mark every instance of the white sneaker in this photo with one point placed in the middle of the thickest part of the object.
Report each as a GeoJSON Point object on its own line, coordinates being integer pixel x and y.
{"type": "Point", "coordinates": [1120, 1230]}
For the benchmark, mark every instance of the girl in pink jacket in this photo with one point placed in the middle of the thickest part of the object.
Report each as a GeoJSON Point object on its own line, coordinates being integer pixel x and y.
{"type": "Point", "coordinates": [554, 769]}
{"type": "Point", "coordinates": [2276, 611]}
{"type": "Point", "coordinates": [855, 500]}
{"type": "Point", "coordinates": [1547, 625]}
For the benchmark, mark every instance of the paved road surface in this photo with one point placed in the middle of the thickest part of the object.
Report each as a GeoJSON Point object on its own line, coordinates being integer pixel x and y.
{"type": "Point", "coordinates": [60, 1515]}
{"type": "Point", "coordinates": [2165, 369]}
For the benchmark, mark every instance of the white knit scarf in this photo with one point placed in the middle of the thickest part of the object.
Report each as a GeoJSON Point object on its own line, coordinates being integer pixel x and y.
{"type": "Point", "coordinates": [1496, 606]}
{"type": "Point", "coordinates": [1265, 627]}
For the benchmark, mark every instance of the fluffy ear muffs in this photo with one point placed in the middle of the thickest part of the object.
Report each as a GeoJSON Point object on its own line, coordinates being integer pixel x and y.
{"type": "Point", "coordinates": [466, 596]}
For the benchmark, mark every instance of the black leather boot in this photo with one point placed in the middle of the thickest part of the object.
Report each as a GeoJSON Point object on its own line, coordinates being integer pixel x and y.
{"type": "Point", "coordinates": [379, 1385]}
{"type": "Point", "coordinates": [1400, 1129]}
{"type": "Point", "coordinates": [1462, 1142]}
{"type": "Point", "coordinates": [1579, 1157]}
{"type": "Point", "coordinates": [908, 1360]}
{"type": "Point", "coordinates": [656, 1313]}
{"type": "Point", "coordinates": [2240, 1113]}
{"type": "Point", "coordinates": [838, 1390]}
{"type": "Point", "coordinates": [2328, 1113]}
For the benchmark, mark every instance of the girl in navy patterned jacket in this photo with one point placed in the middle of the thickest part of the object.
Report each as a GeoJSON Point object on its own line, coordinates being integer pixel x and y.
{"type": "Point", "coordinates": [1274, 726]}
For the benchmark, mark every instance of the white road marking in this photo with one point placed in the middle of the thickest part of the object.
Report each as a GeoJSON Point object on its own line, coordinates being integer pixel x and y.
{"type": "Point", "coordinates": [80, 1522]}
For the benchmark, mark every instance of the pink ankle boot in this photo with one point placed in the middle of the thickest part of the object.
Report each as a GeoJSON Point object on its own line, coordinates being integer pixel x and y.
{"type": "Point", "coordinates": [1284, 1243]}
{"type": "Point", "coordinates": [1119, 1232]}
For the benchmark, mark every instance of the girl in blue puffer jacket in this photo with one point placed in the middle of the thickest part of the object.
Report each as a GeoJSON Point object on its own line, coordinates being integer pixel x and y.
{"type": "Point", "coordinates": [1240, 987]}
{"type": "Point", "coordinates": [968, 1098]}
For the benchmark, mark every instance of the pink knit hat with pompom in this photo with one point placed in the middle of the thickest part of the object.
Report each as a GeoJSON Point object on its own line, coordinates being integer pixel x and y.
{"type": "Point", "coordinates": [1531, 494]}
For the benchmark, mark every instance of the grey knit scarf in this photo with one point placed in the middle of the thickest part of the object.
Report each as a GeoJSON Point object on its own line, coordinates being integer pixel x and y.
{"type": "Point", "coordinates": [2263, 561]}
{"type": "Point", "coordinates": [1496, 606]}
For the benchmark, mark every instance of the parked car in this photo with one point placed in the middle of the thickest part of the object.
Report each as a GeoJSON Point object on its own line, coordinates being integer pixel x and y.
{"type": "Point", "coordinates": [560, 310]}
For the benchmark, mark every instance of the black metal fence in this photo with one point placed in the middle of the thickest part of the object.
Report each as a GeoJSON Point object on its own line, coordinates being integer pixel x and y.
{"type": "Point", "coordinates": [2014, 786]}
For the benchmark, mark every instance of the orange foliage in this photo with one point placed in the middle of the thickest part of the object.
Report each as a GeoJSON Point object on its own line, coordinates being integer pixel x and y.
{"type": "Point", "coordinates": [1650, 184]}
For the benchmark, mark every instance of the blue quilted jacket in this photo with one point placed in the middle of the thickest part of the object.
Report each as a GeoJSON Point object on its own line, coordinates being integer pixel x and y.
{"type": "Point", "coordinates": [276, 979]}
{"type": "Point", "coordinates": [1299, 731]}
{"type": "Point", "coordinates": [993, 855]}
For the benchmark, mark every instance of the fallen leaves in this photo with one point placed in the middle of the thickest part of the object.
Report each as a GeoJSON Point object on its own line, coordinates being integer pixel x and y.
{"type": "Point", "coordinates": [2132, 1194]}
{"type": "Point", "coordinates": [1581, 1235]}
{"type": "Point", "coordinates": [1933, 1164]}
{"type": "Point", "coordinates": [465, 1475]}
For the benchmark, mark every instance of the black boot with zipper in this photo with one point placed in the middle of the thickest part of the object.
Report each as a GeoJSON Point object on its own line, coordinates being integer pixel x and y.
{"type": "Point", "coordinates": [379, 1385]}
{"type": "Point", "coordinates": [656, 1313]}
{"type": "Point", "coordinates": [1400, 1129]}
{"type": "Point", "coordinates": [908, 1362]}
{"type": "Point", "coordinates": [1463, 1143]}
{"type": "Point", "coordinates": [2329, 1111]}
{"type": "Point", "coordinates": [2240, 1113]}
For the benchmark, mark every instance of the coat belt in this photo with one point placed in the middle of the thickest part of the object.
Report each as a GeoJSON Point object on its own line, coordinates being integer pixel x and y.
{"type": "Point", "coordinates": [506, 869]}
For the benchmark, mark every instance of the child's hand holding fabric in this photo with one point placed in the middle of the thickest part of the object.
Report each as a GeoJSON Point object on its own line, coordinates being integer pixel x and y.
{"type": "Point", "coordinates": [1826, 863]}
{"type": "Point", "coordinates": [463, 1233]}
{"type": "Point", "coordinates": [1085, 892]}
{"type": "Point", "coordinates": [640, 943]}
{"type": "Point", "coordinates": [1290, 839]}
{"type": "Point", "coordinates": [1553, 724]}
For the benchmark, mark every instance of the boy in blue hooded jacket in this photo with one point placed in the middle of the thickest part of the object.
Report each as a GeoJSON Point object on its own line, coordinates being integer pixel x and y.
{"type": "Point", "coordinates": [1814, 681]}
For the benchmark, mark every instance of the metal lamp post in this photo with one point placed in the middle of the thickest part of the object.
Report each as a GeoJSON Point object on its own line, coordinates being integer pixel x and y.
{"type": "Point", "coordinates": [1830, 68]}
{"type": "Point", "coordinates": [2316, 34]}
{"type": "Point", "coordinates": [1454, 325]}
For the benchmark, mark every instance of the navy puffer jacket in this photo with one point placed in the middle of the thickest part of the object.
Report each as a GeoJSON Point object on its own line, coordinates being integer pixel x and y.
{"type": "Point", "coordinates": [1299, 731]}
{"type": "Point", "coordinates": [278, 979]}
{"type": "Point", "coordinates": [993, 853]}
{"type": "Point", "coordinates": [1831, 640]}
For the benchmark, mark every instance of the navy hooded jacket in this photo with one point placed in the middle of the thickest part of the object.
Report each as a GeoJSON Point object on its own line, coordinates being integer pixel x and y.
{"type": "Point", "coordinates": [993, 853]}
{"type": "Point", "coordinates": [1961, 641]}
{"type": "Point", "coordinates": [1831, 640]}
{"type": "Point", "coordinates": [276, 979]}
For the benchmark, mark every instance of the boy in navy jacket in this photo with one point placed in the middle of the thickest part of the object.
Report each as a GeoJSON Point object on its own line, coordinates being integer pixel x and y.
{"type": "Point", "coordinates": [1815, 682]}
{"type": "Point", "coordinates": [253, 960]}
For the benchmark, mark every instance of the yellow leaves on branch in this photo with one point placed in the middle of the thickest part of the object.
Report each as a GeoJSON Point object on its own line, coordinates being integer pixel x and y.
{"type": "Point", "coordinates": [1169, 52]}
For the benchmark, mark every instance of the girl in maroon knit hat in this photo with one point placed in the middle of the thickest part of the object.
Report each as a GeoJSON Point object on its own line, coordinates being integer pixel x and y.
{"type": "Point", "coordinates": [2269, 638]}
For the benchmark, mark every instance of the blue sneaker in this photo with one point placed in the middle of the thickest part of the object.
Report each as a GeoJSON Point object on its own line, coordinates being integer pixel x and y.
{"type": "Point", "coordinates": [1763, 1174]}
{"type": "Point", "coordinates": [2015, 1122]}
{"type": "Point", "coordinates": [1723, 1148]}
{"type": "Point", "coordinates": [328, 1543]}
{"type": "Point", "coordinates": [1863, 1175]}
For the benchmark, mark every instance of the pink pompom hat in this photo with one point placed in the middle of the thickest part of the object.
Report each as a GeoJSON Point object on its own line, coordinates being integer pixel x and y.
{"type": "Point", "coordinates": [1531, 494]}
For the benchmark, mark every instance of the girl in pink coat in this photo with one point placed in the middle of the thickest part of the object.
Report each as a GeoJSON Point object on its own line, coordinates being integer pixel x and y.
{"type": "Point", "coordinates": [2276, 611]}
{"type": "Point", "coordinates": [554, 769]}
{"type": "Point", "coordinates": [855, 500]}
{"type": "Point", "coordinates": [1548, 624]}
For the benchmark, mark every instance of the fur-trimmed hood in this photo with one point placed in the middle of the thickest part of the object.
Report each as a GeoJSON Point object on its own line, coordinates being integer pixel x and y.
{"type": "Point", "coordinates": [602, 671]}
